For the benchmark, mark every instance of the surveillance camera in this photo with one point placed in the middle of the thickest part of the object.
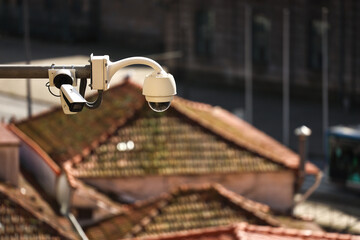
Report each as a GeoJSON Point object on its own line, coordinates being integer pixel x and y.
{"type": "Point", "coordinates": [159, 90]}
{"type": "Point", "coordinates": [71, 101]}
{"type": "Point", "coordinates": [58, 77]}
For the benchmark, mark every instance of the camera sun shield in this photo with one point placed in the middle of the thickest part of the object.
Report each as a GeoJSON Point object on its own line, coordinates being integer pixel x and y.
{"type": "Point", "coordinates": [71, 100]}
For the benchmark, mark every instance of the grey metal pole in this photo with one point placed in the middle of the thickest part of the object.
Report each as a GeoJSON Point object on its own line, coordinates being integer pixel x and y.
{"type": "Point", "coordinates": [303, 133]}
{"type": "Point", "coordinates": [31, 71]}
{"type": "Point", "coordinates": [325, 72]}
{"type": "Point", "coordinates": [27, 53]}
{"type": "Point", "coordinates": [248, 64]}
{"type": "Point", "coordinates": [286, 76]}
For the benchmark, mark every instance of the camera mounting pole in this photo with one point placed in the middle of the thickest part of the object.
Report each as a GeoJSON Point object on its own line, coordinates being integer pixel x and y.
{"type": "Point", "coordinates": [159, 87]}
{"type": "Point", "coordinates": [31, 71]}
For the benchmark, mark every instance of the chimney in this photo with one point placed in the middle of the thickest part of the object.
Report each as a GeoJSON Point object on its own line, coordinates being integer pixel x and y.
{"type": "Point", "coordinates": [9, 157]}
{"type": "Point", "coordinates": [303, 133]}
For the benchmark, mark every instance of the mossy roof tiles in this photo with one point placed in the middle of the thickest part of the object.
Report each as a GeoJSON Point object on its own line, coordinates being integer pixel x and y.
{"type": "Point", "coordinates": [22, 218]}
{"type": "Point", "coordinates": [183, 209]}
{"type": "Point", "coordinates": [125, 138]}
{"type": "Point", "coordinates": [246, 231]}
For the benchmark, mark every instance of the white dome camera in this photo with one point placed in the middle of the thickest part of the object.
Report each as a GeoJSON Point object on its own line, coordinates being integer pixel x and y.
{"type": "Point", "coordinates": [159, 87]}
{"type": "Point", "coordinates": [159, 90]}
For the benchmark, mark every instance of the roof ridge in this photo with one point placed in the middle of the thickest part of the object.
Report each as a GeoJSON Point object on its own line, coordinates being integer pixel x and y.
{"type": "Point", "coordinates": [149, 217]}
{"type": "Point", "coordinates": [34, 146]}
{"type": "Point", "coordinates": [292, 232]}
{"type": "Point", "coordinates": [157, 200]}
{"type": "Point", "coordinates": [258, 209]}
{"type": "Point", "coordinates": [246, 202]}
{"type": "Point", "coordinates": [184, 233]}
{"type": "Point", "coordinates": [241, 230]}
{"type": "Point", "coordinates": [165, 198]}
{"type": "Point", "coordinates": [23, 204]}
{"type": "Point", "coordinates": [229, 118]}
{"type": "Point", "coordinates": [111, 130]}
{"type": "Point", "coordinates": [58, 107]}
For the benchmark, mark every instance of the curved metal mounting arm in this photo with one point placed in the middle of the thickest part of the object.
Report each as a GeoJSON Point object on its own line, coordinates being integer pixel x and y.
{"type": "Point", "coordinates": [113, 67]}
{"type": "Point", "coordinates": [94, 104]}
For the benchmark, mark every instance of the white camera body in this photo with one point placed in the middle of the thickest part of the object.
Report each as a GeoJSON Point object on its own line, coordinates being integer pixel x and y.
{"type": "Point", "coordinates": [159, 90]}
{"type": "Point", "coordinates": [99, 73]}
{"type": "Point", "coordinates": [71, 100]}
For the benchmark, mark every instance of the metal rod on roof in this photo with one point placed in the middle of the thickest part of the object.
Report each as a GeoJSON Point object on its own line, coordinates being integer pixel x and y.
{"type": "Point", "coordinates": [248, 64]}
{"type": "Point", "coordinates": [26, 71]}
{"type": "Point", "coordinates": [303, 133]}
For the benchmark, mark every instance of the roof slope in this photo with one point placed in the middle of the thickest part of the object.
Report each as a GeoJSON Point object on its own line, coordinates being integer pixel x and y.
{"type": "Point", "coordinates": [245, 231]}
{"type": "Point", "coordinates": [27, 218]}
{"type": "Point", "coordinates": [241, 133]}
{"type": "Point", "coordinates": [64, 137]}
{"type": "Point", "coordinates": [183, 209]}
{"type": "Point", "coordinates": [167, 144]}
{"type": "Point", "coordinates": [124, 138]}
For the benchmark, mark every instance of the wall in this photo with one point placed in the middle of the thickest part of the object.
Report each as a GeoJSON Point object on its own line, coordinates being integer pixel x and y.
{"type": "Point", "coordinates": [133, 22]}
{"type": "Point", "coordinates": [41, 171]}
{"type": "Point", "coordinates": [9, 161]}
{"type": "Point", "coordinates": [274, 189]}
{"type": "Point", "coordinates": [228, 54]}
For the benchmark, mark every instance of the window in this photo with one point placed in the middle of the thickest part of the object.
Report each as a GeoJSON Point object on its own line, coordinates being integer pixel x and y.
{"type": "Point", "coordinates": [204, 32]}
{"type": "Point", "coordinates": [315, 52]}
{"type": "Point", "coordinates": [261, 40]}
{"type": "Point", "coordinates": [344, 160]}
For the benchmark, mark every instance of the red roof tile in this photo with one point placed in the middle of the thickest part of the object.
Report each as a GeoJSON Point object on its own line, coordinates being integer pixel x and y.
{"type": "Point", "coordinates": [245, 231]}
{"type": "Point", "coordinates": [189, 138]}
{"type": "Point", "coordinates": [183, 209]}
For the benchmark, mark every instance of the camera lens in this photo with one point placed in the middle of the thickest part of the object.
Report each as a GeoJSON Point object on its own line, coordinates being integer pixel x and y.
{"type": "Point", "coordinates": [61, 79]}
{"type": "Point", "coordinates": [159, 106]}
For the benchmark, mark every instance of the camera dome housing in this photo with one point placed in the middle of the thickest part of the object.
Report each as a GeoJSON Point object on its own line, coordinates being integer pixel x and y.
{"type": "Point", "coordinates": [159, 90]}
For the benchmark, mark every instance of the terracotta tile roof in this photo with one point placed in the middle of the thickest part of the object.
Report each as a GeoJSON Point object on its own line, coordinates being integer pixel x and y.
{"type": "Point", "coordinates": [184, 208]}
{"type": "Point", "coordinates": [167, 144]}
{"type": "Point", "coordinates": [35, 147]}
{"type": "Point", "coordinates": [245, 231]}
{"type": "Point", "coordinates": [241, 133]}
{"type": "Point", "coordinates": [27, 217]}
{"type": "Point", "coordinates": [64, 137]}
{"type": "Point", "coordinates": [85, 195]}
{"type": "Point", "coordinates": [128, 139]}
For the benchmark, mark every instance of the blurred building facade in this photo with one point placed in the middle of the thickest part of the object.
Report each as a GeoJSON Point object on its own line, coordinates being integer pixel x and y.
{"type": "Point", "coordinates": [52, 20]}
{"type": "Point", "coordinates": [211, 35]}
{"type": "Point", "coordinates": [126, 22]}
